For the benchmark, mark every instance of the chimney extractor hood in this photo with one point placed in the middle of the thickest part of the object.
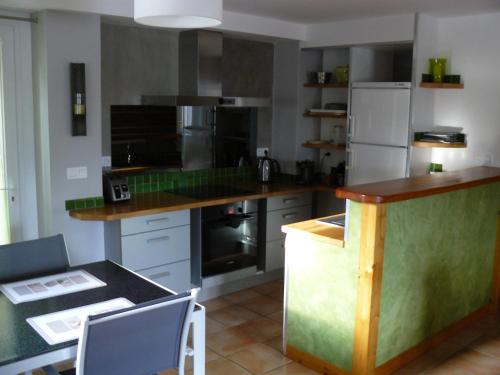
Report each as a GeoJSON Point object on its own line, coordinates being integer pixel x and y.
{"type": "Point", "coordinates": [200, 75]}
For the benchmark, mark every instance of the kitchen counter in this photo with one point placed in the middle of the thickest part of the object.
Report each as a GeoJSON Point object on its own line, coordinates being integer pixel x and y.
{"type": "Point", "coordinates": [315, 230]}
{"type": "Point", "coordinates": [143, 204]}
{"type": "Point", "coordinates": [421, 186]}
{"type": "Point", "coordinates": [421, 261]}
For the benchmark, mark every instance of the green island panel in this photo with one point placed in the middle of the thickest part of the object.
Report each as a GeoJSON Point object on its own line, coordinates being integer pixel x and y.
{"type": "Point", "coordinates": [438, 264]}
{"type": "Point", "coordinates": [322, 288]}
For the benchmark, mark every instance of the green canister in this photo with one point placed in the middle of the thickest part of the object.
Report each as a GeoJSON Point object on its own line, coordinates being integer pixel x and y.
{"type": "Point", "coordinates": [437, 67]}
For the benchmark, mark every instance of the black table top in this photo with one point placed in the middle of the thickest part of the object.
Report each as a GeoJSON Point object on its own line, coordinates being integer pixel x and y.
{"type": "Point", "coordinates": [18, 340]}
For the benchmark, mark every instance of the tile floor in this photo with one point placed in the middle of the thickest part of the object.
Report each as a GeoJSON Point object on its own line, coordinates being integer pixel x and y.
{"type": "Point", "coordinates": [243, 333]}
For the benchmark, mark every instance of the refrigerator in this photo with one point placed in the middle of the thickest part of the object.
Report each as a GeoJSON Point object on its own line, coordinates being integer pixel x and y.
{"type": "Point", "coordinates": [378, 132]}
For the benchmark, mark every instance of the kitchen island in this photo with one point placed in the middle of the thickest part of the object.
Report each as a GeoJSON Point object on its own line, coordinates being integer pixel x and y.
{"type": "Point", "coordinates": [419, 260]}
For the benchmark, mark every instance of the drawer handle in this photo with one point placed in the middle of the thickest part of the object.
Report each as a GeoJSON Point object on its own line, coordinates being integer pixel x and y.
{"type": "Point", "coordinates": [290, 216]}
{"type": "Point", "coordinates": [290, 200]}
{"type": "Point", "coordinates": [158, 239]}
{"type": "Point", "coordinates": [161, 274]}
{"type": "Point", "coordinates": [156, 221]}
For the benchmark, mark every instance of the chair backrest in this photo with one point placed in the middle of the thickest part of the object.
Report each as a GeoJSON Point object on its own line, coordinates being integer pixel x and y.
{"type": "Point", "coordinates": [24, 258]}
{"type": "Point", "coordinates": [144, 339]}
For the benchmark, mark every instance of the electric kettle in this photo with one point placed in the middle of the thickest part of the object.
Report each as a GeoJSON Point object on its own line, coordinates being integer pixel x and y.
{"type": "Point", "coordinates": [267, 169]}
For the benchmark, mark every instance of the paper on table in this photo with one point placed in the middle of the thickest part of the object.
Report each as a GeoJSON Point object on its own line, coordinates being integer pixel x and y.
{"type": "Point", "coordinates": [64, 325]}
{"type": "Point", "coordinates": [50, 286]}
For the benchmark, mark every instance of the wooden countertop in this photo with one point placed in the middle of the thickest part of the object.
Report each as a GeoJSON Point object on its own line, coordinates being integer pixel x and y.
{"type": "Point", "coordinates": [154, 203]}
{"type": "Point", "coordinates": [421, 186]}
{"type": "Point", "coordinates": [315, 230]}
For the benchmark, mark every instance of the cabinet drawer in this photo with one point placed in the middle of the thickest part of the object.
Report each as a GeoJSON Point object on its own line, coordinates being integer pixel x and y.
{"type": "Point", "coordinates": [175, 276]}
{"type": "Point", "coordinates": [152, 249]}
{"type": "Point", "coordinates": [275, 255]}
{"type": "Point", "coordinates": [275, 219]}
{"type": "Point", "coordinates": [287, 201]}
{"type": "Point", "coordinates": [154, 222]}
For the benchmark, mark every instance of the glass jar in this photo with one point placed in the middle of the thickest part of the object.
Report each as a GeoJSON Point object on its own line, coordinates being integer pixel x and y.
{"type": "Point", "coordinates": [437, 67]}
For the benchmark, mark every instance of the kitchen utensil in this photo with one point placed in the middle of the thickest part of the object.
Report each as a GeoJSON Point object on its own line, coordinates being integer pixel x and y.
{"type": "Point", "coordinates": [437, 67]}
{"type": "Point", "coordinates": [342, 73]}
{"type": "Point", "coordinates": [267, 169]}
{"type": "Point", "coordinates": [305, 172]}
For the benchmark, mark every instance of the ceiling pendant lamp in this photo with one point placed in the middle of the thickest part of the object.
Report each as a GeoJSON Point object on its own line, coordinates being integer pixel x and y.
{"type": "Point", "coordinates": [178, 14]}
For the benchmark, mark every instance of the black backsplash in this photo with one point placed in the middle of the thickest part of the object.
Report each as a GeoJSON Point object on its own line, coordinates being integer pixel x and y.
{"type": "Point", "coordinates": [144, 136]}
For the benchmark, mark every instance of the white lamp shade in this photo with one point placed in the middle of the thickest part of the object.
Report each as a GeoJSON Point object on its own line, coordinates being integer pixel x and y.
{"type": "Point", "coordinates": [178, 14]}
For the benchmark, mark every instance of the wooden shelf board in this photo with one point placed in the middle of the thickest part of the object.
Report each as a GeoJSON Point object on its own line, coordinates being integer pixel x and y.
{"type": "Point", "coordinates": [323, 115]}
{"type": "Point", "coordinates": [438, 145]}
{"type": "Point", "coordinates": [328, 85]}
{"type": "Point", "coordinates": [325, 145]}
{"type": "Point", "coordinates": [436, 85]}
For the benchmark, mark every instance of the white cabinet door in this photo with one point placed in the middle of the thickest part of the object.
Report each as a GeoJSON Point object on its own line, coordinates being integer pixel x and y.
{"type": "Point", "coordinates": [275, 255]}
{"type": "Point", "coordinates": [380, 116]}
{"type": "Point", "coordinates": [174, 276]}
{"type": "Point", "coordinates": [275, 219]}
{"type": "Point", "coordinates": [287, 201]}
{"type": "Point", "coordinates": [368, 163]}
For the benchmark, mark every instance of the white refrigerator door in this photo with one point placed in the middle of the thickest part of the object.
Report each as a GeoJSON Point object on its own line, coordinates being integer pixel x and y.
{"type": "Point", "coordinates": [369, 163]}
{"type": "Point", "coordinates": [380, 116]}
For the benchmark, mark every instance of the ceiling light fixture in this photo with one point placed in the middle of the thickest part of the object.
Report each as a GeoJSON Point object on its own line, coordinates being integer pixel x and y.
{"type": "Point", "coordinates": [178, 14]}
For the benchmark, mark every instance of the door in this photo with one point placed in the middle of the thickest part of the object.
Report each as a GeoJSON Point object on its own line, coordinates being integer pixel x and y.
{"type": "Point", "coordinates": [380, 116]}
{"type": "Point", "coordinates": [369, 163]}
{"type": "Point", "coordinates": [197, 136]}
{"type": "Point", "coordinates": [10, 228]}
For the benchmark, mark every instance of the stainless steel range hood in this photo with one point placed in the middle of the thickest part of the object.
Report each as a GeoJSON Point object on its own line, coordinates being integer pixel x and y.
{"type": "Point", "coordinates": [200, 75]}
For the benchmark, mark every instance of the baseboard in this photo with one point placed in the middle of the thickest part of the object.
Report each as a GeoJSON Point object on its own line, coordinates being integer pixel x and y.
{"type": "Point", "coordinates": [313, 362]}
{"type": "Point", "coordinates": [412, 353]}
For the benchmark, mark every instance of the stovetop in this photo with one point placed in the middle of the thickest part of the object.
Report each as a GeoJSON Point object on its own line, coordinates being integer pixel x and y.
{"type": "Point", "coordinates": [209, 191]}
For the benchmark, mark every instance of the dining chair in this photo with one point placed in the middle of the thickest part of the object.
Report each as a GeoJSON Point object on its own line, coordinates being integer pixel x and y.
{"type": "Point", "coordinates": [141, 340]}
{"type": "Point", "coordinates": [21, 259]}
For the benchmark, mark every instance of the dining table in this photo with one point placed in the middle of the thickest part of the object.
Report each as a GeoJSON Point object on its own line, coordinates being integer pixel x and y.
{"type": "Point", "coordinates": [22, 349]}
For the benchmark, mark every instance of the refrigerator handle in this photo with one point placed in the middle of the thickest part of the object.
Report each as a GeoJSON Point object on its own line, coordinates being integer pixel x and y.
{"type": "Point", "coordinates": [352, 128]}
{"type": "Point", "coordinates": [350, 159]}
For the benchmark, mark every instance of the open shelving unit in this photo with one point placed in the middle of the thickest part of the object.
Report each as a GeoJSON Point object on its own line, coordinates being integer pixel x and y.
{"type": "Point", "coordinates": [436, 85]}
{"type": "Point", "coordinates": [326, 146]}
{"type": "Point", "coordinates": [323, 115]}
{"type": "Point", "coordinates": [438, 145]}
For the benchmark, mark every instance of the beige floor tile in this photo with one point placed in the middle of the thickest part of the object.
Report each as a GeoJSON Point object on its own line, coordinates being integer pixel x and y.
{"type": "Point", "coordinates": [224, 367]}
{"type": "Point", "coordinates": [213, 326]}
{"type": "Point", "coordinates": [210, 355]}
{"type": "Point", "coordinates": [487, 345]}
{"type": "Point", "coordinates": [269, 287]}
{"type": "Point", "coordinates": [259, 358]}
{"type": "Point", "coordinates": [476, 363]}
{"type": "Point", "coordinates": [276, 343]}
{"type": "Point", "coordinates": [229, 341]}
{"type": "Point", "coordinates": [232, 316]}
{"type": "Point", "coordinates": [292, 369]}
{"type": "Point", "coordinates": [262, 305]}
{"type": "Point", "coordinates": [241, 296]}
{"type": "Point", "coordinates": [215, 304]}
{"type": "Point", "coordinates": [262, 329]}
{"type": "Point", "coordinates": [277, 317]}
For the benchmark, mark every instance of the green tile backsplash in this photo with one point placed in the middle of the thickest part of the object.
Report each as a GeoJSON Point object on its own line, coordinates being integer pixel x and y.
{"type": "Point", "coordinates": [159, 181]}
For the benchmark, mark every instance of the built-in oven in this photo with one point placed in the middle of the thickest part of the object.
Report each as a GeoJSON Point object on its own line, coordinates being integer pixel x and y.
{"type": "Point", "coordinates": [230, 237]}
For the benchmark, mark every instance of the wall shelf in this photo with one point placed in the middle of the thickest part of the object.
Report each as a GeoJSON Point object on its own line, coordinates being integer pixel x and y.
{"type": "Point", "coordinates": [323, 115]}
{"type": "Point", "coordinates": [326, 145]}
{"type": "Point", "coordinates": [327, 85]}
{"type": "Point", "coordinates": [438, 145]}
{"type": "Point", "coordinates": [436, 85]}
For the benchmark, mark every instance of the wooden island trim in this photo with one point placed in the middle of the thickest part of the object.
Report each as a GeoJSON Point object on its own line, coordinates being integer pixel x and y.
{"type": "Point", "coordinates": [155, 203]}
{"type": "Point", "coordinates": [421, 186]}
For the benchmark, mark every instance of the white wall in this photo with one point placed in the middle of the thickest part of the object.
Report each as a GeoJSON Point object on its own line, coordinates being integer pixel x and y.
{"type": "Point", "coordinates": [61, 38]}
{"type": "Point", "coordinates": [472, 48]}
{"type": "Point", "coordinates": [398, 28]}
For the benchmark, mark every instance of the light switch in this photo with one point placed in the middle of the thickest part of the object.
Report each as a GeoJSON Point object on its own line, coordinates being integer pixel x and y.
{"type": "Point", "coordinates": [261, 151]}
{"type": "Point", "coordinates": [75, 173]}
{"type": "Point", "coordinates": [106, 161]}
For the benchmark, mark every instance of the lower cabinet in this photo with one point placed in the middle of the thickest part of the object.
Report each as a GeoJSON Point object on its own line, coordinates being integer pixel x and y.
{"type": "Point", "coordinates": [283, 210]}
{"type": "Point", "coordinates": [157, 247]}
{"type": "Point", "coordinates": [175, 276]}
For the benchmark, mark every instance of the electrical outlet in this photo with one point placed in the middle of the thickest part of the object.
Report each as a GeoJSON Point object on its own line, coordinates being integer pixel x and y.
{"type": "Point", "coordinates": [76, 173]}
{"type": "Point", "coordinates": [106, 161]}
{"type": "Point", "coordinates": [261, 151]}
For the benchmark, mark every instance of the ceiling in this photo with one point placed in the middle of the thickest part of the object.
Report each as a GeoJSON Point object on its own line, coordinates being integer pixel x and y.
{"type": "Point", "coordinates": [316, 11]}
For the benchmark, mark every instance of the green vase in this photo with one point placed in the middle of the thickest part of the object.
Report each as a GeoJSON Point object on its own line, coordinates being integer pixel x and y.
{"type": "Point", "coordinates": [437, 67]}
